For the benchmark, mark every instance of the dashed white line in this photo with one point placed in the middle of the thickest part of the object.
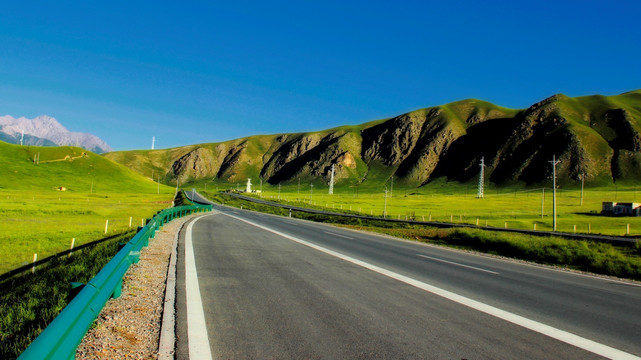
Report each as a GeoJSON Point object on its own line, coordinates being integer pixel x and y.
{"type": "Point", "coordinates": [457, 264]}
{"type": "Point", "coordinates": [558, 334]}
{"type": "Point", "coordinates": [196, 325]}
{"type": "Point", "coordinates": [339, 235]}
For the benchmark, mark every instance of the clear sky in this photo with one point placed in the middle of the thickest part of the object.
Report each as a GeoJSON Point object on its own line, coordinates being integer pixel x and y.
{"type": "Point", "coordinates": [205, 71]}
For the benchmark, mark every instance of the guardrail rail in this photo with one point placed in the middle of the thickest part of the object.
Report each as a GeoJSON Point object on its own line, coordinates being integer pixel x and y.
{"type": "Point", "coordinates": [60, 339]}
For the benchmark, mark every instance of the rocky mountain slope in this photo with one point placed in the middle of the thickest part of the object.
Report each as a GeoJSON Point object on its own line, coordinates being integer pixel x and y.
{"type": "Point", "coordinates": [47, 131]}
{"type": "Point", "coordinates": [596, 137]}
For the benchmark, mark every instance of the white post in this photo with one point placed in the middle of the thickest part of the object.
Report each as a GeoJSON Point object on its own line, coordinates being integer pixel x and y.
{"type": "Point", "coordinates": [506, 224]}
{"type": "Point", "coordinates": [142, 222]}
{"type": "Point", "coordinates": [534, 226]}
{"type": "Point", "coordinates": [130, 220]}
{"type": "Point", "coordinates": [106, 225]}
{"type": "Point", "coordinates": [73, 241]}
{"type": "Point", "coordinates": [33, 267]}
{"type": "Point", "coordinates": [627, 229]}
{"type": "Point", "coordinates": [477, 221]}
{"type": "Point", "coordinates": [575, 229]}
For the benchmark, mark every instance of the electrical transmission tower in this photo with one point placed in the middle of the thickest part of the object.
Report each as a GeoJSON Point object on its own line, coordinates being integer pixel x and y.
{"type": "Point", "coordinates": [479, 194]}
{"type": "Point", "coordinates": [554, 162]}
{"type": "Point", "coordinates": [331, 182]}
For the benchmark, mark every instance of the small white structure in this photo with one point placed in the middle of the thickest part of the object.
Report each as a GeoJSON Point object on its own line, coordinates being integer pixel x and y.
{"type": "Point", "coordinates": [621, 209]}
{"type": "Point", "coordinates": [249, 186]}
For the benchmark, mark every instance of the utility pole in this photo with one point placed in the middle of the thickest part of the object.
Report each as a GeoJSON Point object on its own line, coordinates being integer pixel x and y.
{"type": "Point", "coordinates": [298, 191]}
{"type": "Point", "coordinates": [311, 193]}
{"type": "Point", "coordinates": [261, 188]}
{"type": "Point", "coordinates": [385, 204]}
{"type": "Point", "coordinates": [158, 185]}
{"type": "Point", "coordinates": [479, 194]}
{"type": "Point", "coordinates": [554, 162]}
{"type": "Point", "coordinates": [391, 189]}
{"type": "Point", "coordinates": [153, 142]}
{"type": "Point", "coordinates": [582, 181]}
{"type": "Point", "coordinates": [542, 201]}
{"type": "Point", "coordinates": [331, 182]}
{"type": "Point", "coordinates": [22, 138]}
{"type": "Point", "coordinates": [279, 191]}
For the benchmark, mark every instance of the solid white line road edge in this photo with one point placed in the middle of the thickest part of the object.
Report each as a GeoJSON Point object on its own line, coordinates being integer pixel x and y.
{"type": "Point", "coordinates": [561, 335]}
{"type": "Point", "coordinates": [196, 326]}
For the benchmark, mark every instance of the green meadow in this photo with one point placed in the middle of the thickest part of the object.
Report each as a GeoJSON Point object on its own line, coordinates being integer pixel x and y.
{"type": "Point", "coordinates": [512, 207]}
{"type": "Point", "coordinates": [36, 217]}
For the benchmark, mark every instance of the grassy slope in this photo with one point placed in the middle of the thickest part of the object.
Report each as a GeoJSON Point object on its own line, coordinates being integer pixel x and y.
{"type": "Point", "coordinates": [20, 173]}
{"type": "Point", "coordinates": [38, 219]}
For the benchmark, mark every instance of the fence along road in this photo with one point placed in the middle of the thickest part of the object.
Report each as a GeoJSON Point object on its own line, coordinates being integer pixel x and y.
{"type": "Point", "coordinates": [286, 288]}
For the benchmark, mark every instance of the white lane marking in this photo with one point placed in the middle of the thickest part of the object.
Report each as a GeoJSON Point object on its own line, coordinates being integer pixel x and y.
{"type": "Point", "coordinates": [561, 335]}
{"type": "Point", "coordinates": [196, 326]}
{"type": "Point", "coordinates": [292, 223]}
{"type": "Point", "coordinates": [339, 235]}
{"type": "Point", "coordinates": [457, 264]}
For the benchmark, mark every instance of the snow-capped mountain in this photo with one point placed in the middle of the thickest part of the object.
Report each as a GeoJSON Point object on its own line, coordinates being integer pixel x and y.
{"type": "Point", "coordinates": [44, 130]}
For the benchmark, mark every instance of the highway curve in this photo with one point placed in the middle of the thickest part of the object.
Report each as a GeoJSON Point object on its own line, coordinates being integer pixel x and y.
{"type": "Point", "coordinates": [273, 287]}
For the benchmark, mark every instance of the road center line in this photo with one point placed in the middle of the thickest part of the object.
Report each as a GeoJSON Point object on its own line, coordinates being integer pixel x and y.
{"type": "Point", "coordinates": [196, 326]}
{"type": "Point", "coordinates": [558, 334]}
{"type": "Point", "coordinates": [339, 235]}
{"type": "Point", "coordinates": [457, 264]}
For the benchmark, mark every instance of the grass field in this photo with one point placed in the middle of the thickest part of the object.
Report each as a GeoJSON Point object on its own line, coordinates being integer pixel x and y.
{"type": "Point", "coordinates": [517, 207]}
{"type": "Point", "coordinates": [37, 218]}
{"type": "Point", "coordinates": [45, 223]}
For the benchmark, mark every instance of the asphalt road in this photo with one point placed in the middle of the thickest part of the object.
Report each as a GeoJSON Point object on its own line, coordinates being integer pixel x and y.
{"type": "Point", "coordinates": [266, 292]}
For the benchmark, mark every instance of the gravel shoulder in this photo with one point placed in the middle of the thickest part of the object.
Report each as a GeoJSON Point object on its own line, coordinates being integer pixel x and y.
{"type": "Point", "coordinates": [129, 327]}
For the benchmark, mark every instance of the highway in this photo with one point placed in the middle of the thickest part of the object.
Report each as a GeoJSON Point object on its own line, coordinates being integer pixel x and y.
{"type": "Point", "coordinates": [274, 287]}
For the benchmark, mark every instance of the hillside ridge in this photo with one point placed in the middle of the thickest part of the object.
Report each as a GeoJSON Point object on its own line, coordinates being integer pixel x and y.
{"type": "Point", "coordinates": [596, 138]}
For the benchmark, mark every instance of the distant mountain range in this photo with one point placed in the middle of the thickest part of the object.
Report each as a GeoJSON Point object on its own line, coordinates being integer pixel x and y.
{"type": "Point", "coordinates": [593, 137]}
{"type": "Point", "coordinates": [47, 131]}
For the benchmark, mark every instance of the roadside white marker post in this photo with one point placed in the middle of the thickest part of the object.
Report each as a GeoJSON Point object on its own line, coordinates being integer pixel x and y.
{"type": "Point", "coordinates": [627, 229]}
{"type": "Point", "coordinates": [73, 241]}
{"type": "Point", "coordinates": [534, 226]}
{"type": "Point", "coordinates": [33, 267]}
{"type": "Point", "coordinates": [130, 220]}
{"type": "Point", "coordinates": [106, 225]}
{"type": "Point", "coordinates": [575, 229]}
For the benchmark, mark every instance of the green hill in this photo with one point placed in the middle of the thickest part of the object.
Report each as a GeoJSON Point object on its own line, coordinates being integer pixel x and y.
{"type": "Point", "coordinates": [73, 168]}
{"type": "Point", "coordinates": [596, 137]}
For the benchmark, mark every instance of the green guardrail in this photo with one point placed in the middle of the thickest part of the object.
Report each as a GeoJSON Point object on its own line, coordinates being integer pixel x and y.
{"type": "Point", "coordinates": [60, 339]}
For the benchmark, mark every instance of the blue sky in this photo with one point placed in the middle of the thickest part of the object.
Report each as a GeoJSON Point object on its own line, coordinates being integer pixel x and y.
{"type": "Point", "coordinates": [190, 72]}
